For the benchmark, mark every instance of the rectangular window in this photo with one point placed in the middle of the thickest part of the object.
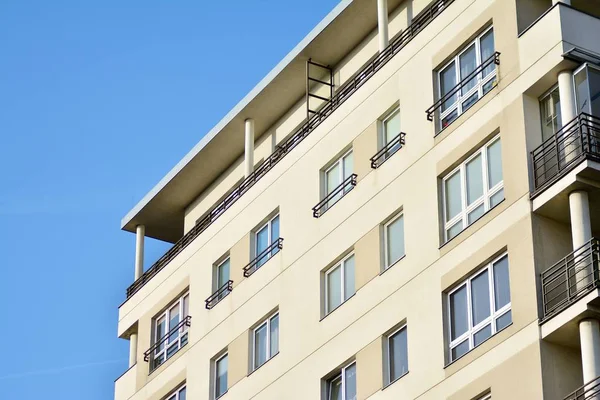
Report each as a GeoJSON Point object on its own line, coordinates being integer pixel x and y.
{"type": "Point", "coordinates": [397, 352]}
{"type": "Point", "coordinates": [473, 188]}
{"type": "Point", "coordinates": [479, 307]}
{"type": "Point", "coordinates": [391, 130]}
{"type": "Point", "coordinates": [167, 331]}
{"type": "Point", "coordinates": [335, 175]}
{"type": "Point", "coordinates": [221, 368]}
{"type": "Point", "coordinates": [265, 342]}
{"type": "Point", "coordinates": [265, 236]}
{"type": "Point", "coordinates": [339, 283]}
{"type": "Point", "coordinates": [462, 67]}
{"type": "Point", "coordinates": [222, 273]}
{"type": "Point", "coordinates": [550, 111]}
{"type": "Point", "coordinates": [393, 239]}
{"type": "Point", "coordinates": [178, 394]}
{"type": "Point", "coordinates": [343, 385]}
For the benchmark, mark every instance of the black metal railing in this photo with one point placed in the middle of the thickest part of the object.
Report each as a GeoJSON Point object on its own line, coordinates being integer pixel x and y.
{"type": "Point", "coordinates": [334, 196]}
{"type": "Point", "coordinates": [342, 94]}
{"type": "Point", "coordinates": [388, 150]}
{"type": "Point", "coordinates": [494, 59]}
{"type": "Point", "coordinates": [262, 257]}
{"type": "Point", "coordinates": [149, 355]}
{"type": "Point", "coordinates": [577, 140]}
{"type": "Point", "coordinates": [589, 391]}
{"type": "Point", "coordinates": [219, 295]}
{"type": "Point", "coordinates": [570, 279]}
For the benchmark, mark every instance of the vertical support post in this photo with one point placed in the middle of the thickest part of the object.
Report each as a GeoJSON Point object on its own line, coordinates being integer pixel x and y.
{"type": "Point", "coordinates": [581, 232]}
{"type": "Point", "coordinates": [589, 334]}
{"type": "Point", "coordinates": [133, 343]}
{"type": "Point", "coordinates": [249, 147]}
{"type": "Point", "coordinates": [382, 24]}
{"type": "Point", "coordinates": [140, 232]}
{"type": "Point", "coordinates": [566, 90]}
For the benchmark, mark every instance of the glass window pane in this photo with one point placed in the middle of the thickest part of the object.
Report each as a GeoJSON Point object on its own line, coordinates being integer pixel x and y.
{"type": "Point", "coordinates": [497, 198]}
{"type": "Point", "coordinates": [468, 63]}
{"type": "Point", "coordinates": [398, 354]}
{"type": "Point", "coordinates": [487, 50]}
{"type": "Point", "coordinates": [453, 196]}
{"type": "Point", "coordinates": [470, 101]}
{"type": "Point", "coordinates": [173, 321]}
{"type": "Point", "coordinates": [482, 335]}
{"type": "Point", "coordinates": [334, 288]}
{"type": "Point", "coordinates": [333, 178]}
{"type": "Point", "coordinates": [459, 319]}
{"type": "Point", "coordinates": [186, 306]}
{"type": "Point", "coordinates": [350, 379]}
{"type": "Point", "coordinates": [335, 388]}
{"type": "Point", "coordinates": [551, 117]}
{"type": "Point", "coordinates": [447, 83]}
{"type": "Point", "coordinates": [494, 160]}
{"type": "Point", "coordinates": [455, 230]}
{"type": "Point", "coordinates": [474, 180]}
{"type": "Point", "coordinates": [221, 375]}
{"type": "Point", "coordinates": [501, 283]}
{"type": "Point", "coordinates": [480, 297]}
{"type": "Point", "coordinates": [262, 242]}
{"type": "Point", "coordinates": [594, 84]}
{"type": "Point", "coordinates": [160, 331]}
{"type": "Point", "coordinates": [182, 394]}
{"type": "Point", "coordinates": [275, 229]}
{"type": "Point", "coordinates": [392, 127]}
{"type": "Point", "coordinates": [476, 214]}
{"type": "Point", "coordinates": [260, 346]}
{"type": "Point", "coordinates": [223, 273]}
{"type": "Point", "coordinates": [348, 165]}
{"type": "Point", "coordinates": [274, 335]}
{"type": "Point", "coordinates": [460, 350]}
{"type": "Point", "coordinates": [447, 120]}
{"type": "Point", "coordinates": [349, 286]}
{"type": "Point", "coordinates": [503, 321]}
{"type": "Point", "coordinates": [581, 92]}
{"type": "Point", "coordinates": [395, 241]}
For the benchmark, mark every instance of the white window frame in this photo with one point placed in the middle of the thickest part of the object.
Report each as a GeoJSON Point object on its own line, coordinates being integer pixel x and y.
{"type": "Point", "coordinates": [268, 255]}
{"type": "Point", "coordinates": [216, 374]}
{"type": "Point", "coordinates": [490, 320]}
{"type": "Point", "coordinates": [218, 274]}
{"type": "Point", "coordinates": [487, 396]}
{"type": "Point", "coordinates": [183, 330]}
{"type": "Point", "coordinates": [267, 323]}
{"type": "Point", "coordinates": [384, 121]}
{"type": "Point", "coordinates": [478, 87]}
{"type": "Point", "coordinates": [387, 262]}
{"type": "Point", "coordinates": [340, 375]}
{"type": "Point", "coordinates": [391, 380]}
{"type": "Point", "coordinates": [484, 199]}
{"type": "Point", "coordinates": [339, 162]}
{"type": "Point", "coordinates": [175, 394]}
{"type": "Point", "coordinates": [341, 264]}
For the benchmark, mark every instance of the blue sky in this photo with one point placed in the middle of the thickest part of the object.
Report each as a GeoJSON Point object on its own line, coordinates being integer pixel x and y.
{"type": "Point", "coordinates": [98, 100]}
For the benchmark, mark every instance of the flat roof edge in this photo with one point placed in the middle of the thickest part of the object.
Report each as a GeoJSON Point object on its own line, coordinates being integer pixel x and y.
{"type": "Point", "coordinates": [318, 29]}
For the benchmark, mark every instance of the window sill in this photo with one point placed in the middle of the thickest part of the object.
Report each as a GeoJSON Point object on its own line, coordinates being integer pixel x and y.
{"type": "Point", "coordinates": [331, 312]}
{"type": "Point", "coordinates": [266, 362]}
{"type": "Point", "coordinates": [394, 263]}
{"type": "Point", "coordinates": [395, 380]}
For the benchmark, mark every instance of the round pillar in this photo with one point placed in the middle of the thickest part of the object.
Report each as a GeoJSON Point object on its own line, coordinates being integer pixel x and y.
{"type": "Point", "coordinates": [589, 334]}
{"type": "Point", "coordinates": [382, 24]}
{"type": "Point", "coordinates": [140, 233]}
{"type": "Point", "coordinates": [248, 147]}
{"type": "Point", "coordinates": [133, 342]}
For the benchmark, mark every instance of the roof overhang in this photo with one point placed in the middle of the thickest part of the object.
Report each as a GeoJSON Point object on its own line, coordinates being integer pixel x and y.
{"type": "Point", "coordinates": [162, 209]}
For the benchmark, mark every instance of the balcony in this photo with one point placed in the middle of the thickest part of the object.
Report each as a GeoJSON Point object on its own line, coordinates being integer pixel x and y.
{"type": "Point", "coordinates": [219, 295]}
{"type": "Point", "coordinates": [589, 391]}
{"type": "Point", "coordinates": [168, 345]}
{"type": "Point", "coordinates": [388, 150]}
{"type": "Point", "coordinates": [334, 196]}
{"type": "Point", "coordinates": [418, 23]}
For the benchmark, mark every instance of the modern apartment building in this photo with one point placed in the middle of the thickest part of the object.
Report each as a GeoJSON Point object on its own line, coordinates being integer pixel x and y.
{"type": "Point", "coordinates": [404, 208]}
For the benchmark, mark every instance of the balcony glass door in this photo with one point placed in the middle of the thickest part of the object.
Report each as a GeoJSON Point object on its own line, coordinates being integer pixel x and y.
{"type": "Point", "coordinates": [587, 89]}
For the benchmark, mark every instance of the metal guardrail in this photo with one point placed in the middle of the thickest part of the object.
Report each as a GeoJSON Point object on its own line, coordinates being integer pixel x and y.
{"type": "Point", "coordinates": [589, 391]}
{"type": "Point", "coordinates": [187, 321]}
{"type": "Point", "coordinates": [336, 195]}
{"type": "Point", "coordinates": [263, 256]}
{"type": "Point", "coordinates": [577, 140]}
{"type": "Point", "coordinates": [570, 279]}
{"type": "Point", "coordinates": [342, 94]}
{"type": "Point", "coordinates": [219, 295]}
{"type": "Point", "coordinates": [388, 150]}
{"type": "Point", "coordinates": [494, 59]}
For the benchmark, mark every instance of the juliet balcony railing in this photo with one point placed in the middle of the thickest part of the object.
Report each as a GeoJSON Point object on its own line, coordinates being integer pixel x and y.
{"type": "Point", "coordinates": [166, 346]}
{"type": "Point", "coordinates": [577, 140]}
{"type": "Point", "coordinates": [570, 279]}
{"type": "Point", "coordinates": [468, 82]}
{"type": "Point", "coordinates": [589, 391]}
{"type": "Point", "coordinates": [219, 295]}
{"type": "Point", "coordinates": [263, 256]}
{"type": "Point", "coordinates": [335, 195]}
{"type": "Point", "coordinates": [388, 150]}
{"type": "Point", "coordinates": [342, 94]}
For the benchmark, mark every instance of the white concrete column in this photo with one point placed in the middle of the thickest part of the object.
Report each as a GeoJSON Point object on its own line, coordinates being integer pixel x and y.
{"type": "Point", "coordinates": [382, 24]}
{"type": "Point", "coordinates": [566, 91]}
{"type": "Point", "coordinates": [581, 229]}
{"type": "Point", "coordinates": [140, 232]}
{"type": "Point", "coordinates": [567, 2]}
{"type": "Point", "coordinates": [133, 342]}
{"type": "Point", "coordinates": [589, 334]}
{"type": "Point", "coordinates": [249, 147]}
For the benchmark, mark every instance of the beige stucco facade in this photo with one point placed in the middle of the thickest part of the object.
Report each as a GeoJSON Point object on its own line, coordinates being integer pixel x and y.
{"type": "Point", "coordinates": [522, 361]}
